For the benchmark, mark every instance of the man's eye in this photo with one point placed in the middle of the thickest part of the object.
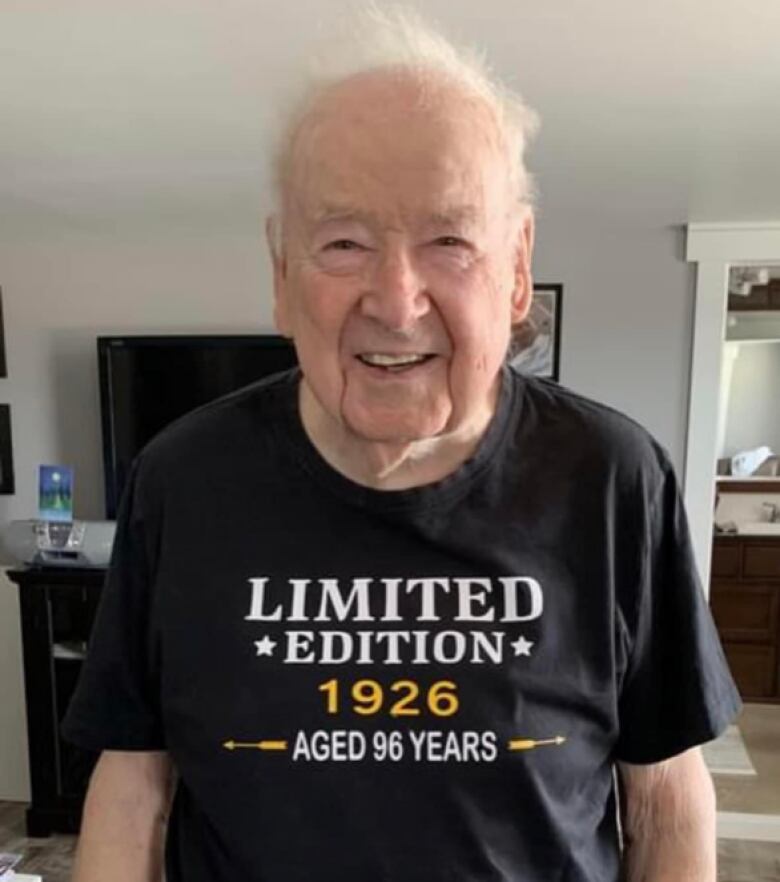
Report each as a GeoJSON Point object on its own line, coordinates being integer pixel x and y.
{"type": "Point", "coordinates": [449, 241]}
{"type": "Point", "coordinates": [342, 245]}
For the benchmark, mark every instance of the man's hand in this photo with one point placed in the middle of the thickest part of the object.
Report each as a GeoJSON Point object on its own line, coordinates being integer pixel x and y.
{"type": "Point", "coordinates": [669, 820]}
{"type": "Point", "coordinates": [125, 814]}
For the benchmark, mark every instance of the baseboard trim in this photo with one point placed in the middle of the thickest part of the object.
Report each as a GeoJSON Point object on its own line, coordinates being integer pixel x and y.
{"type": "Point", "coordinates": [756, 828]}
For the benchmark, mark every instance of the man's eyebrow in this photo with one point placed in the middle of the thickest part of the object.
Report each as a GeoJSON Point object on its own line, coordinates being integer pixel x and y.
{"type": "Point", "coordinates": [337, 213]}
{"type": "Point", "coordinates": [437, 218]}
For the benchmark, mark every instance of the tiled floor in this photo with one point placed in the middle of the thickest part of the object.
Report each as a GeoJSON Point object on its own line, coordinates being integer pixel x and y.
{"type": "Point", "coordinates": [52, 857]}
{"type": "Point", "coordinates": [757, 794]}
{"type": "Point", "coordinates": [748, 861]}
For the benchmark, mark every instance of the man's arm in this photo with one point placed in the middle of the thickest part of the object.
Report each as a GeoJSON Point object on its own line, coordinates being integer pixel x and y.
{"type": "Point", "coordinates": [669, 820]}
{"type": "Point", "coordinates": [125, 815]}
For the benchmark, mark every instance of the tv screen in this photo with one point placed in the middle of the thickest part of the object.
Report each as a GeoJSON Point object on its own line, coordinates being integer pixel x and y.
{"type": "Point", "coordinates": [148, 382]}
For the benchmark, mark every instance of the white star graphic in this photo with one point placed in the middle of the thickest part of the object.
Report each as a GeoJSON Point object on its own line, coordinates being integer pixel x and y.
{"type": "Point", "coordinates": [521, 646]}
{"type": "Point", "coordinates": [265, 646]}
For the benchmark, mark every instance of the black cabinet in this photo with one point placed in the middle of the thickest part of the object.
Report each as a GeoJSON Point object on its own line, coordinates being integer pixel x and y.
{"type": "Point", "coordinates": [57, 609]}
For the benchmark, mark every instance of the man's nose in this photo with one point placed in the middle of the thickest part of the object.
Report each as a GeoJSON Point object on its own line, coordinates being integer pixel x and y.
{"type": "Point", "coordinates": [396, 294]}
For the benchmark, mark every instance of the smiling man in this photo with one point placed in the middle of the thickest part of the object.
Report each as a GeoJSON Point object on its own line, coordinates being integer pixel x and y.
{"type": "Point", "coordinates": [421, 618]}
{"type": "Point", "coordinates": [404, 260]}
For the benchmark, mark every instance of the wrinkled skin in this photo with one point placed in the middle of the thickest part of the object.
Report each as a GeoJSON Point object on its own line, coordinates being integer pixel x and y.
{"type": "Point", "coordinates": [402, 238]}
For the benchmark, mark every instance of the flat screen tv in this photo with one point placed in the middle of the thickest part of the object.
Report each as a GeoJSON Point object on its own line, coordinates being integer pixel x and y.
{"type": "Point", "coordinates": [148, 382]}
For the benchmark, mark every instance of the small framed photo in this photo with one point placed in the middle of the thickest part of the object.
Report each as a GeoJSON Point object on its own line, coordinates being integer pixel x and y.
{"type": "Point", "coordinates": [3, 366]}
{"type": "Point", "coordinates": [7, 487]}
{"type": "Point", "coordinates": [55, 493]}
{"type": "Point", "coordinates": [535, 345]}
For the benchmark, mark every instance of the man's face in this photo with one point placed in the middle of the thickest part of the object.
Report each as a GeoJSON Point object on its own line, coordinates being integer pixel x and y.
{"type": "Point", "coordinates": [404, 263]}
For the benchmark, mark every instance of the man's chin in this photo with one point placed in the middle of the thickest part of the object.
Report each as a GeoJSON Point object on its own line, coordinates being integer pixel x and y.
{"type": "Point", "coordinates": [395, 428]}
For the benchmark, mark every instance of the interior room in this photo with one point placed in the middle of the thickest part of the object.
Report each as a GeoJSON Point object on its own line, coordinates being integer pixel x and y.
{"type": "Point", "coordinates": [134, 189]}
{"type": "Point", "coordinates": [747, 526]}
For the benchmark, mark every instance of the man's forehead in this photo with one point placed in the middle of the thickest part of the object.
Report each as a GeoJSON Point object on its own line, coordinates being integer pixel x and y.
{"type": "Point", "coordinates": [362, 151]}
{"type": "Point", "coordinates": [324, 211]}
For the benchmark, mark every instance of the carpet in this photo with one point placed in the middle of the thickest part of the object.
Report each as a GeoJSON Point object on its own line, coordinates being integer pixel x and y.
{"type": "Point", "coordinates": [727, 755]}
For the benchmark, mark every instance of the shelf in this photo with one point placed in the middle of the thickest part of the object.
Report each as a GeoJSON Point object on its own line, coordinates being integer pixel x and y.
{"type": "Point", "coordinates": [759, 484]}
{"type": "Point", "coordinates": [69, 650]}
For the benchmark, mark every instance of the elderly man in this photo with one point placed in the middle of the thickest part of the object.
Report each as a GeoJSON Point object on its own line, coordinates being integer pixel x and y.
{"type": "Point", "coordinates": [417, 609]}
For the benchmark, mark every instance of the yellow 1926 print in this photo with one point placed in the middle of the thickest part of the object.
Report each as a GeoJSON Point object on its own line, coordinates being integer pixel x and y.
{"type": "Point", "coordinates": [402, 698]}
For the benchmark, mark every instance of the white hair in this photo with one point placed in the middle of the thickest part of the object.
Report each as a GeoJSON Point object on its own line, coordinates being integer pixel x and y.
{"type": "Point", "coordinates": [396, 38]}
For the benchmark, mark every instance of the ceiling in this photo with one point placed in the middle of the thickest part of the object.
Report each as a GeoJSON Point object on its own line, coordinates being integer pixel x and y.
{"type": "Point", "coordinates": [139, 112]}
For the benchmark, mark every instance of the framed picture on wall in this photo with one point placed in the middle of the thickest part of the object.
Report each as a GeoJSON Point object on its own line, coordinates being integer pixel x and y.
{"type": "Point", "coordinates": [535, 345]}
{"type": "Point", "coordinates": [3, 369]}
{"type": "Point", "coordinates": [6, 452]}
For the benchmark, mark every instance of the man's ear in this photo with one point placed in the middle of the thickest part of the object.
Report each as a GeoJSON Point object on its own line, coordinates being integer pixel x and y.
{"type": "Point", "coordinates": [279, 263]}
{"type": "Point", "coordinates": [522, 294]}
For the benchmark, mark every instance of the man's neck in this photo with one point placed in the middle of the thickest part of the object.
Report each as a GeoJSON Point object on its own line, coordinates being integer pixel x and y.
{"type": "Point", "coordinates": [385, 465]}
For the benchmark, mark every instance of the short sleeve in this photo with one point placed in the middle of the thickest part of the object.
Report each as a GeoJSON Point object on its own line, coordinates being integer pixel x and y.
{"type": "Point", "coordinates": [116, 702]}
{"type": "Point", "coordinates": [677, 691]}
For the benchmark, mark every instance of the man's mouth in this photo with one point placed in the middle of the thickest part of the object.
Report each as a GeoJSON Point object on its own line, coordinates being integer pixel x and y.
{"type": "Point", "coordinates": [392, 362]}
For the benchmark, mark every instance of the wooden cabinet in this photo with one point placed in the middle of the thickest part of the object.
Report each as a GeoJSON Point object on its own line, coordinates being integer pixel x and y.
{"type": "Point", "coordinates": [745, 599]}
{"type": "Point", "coordinates": [761, 297]}
{"type": "Point", "coordinates": [57, 610]}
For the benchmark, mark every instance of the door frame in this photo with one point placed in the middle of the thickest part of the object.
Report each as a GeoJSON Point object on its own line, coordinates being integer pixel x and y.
{"type": "Point", "coordinates": [714, 248]}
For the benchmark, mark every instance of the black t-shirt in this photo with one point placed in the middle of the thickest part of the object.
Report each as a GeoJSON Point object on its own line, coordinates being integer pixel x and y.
{"type": "Point", "coordinates": [424, 685]}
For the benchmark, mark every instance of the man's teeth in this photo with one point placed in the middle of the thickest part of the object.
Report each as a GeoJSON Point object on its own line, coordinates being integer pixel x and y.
{"type": "Point", "coordinates": [382, 360]}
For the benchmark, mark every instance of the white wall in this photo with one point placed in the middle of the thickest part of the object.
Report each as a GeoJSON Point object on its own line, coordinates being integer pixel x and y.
{"type": "Point", "coordinates": [627, 316]}
{"type": "Point", "coordinates": [626, 339]}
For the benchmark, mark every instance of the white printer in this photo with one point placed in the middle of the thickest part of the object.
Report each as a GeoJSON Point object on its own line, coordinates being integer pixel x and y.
{"type": "Point", "coordinates": [60, 544]}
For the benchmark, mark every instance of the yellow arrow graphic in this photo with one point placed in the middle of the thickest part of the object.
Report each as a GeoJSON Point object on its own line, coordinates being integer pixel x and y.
{"type": "Point", "coordinates": [530, 743]}
{"type": "Point", "coordinates": [255, 745]}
